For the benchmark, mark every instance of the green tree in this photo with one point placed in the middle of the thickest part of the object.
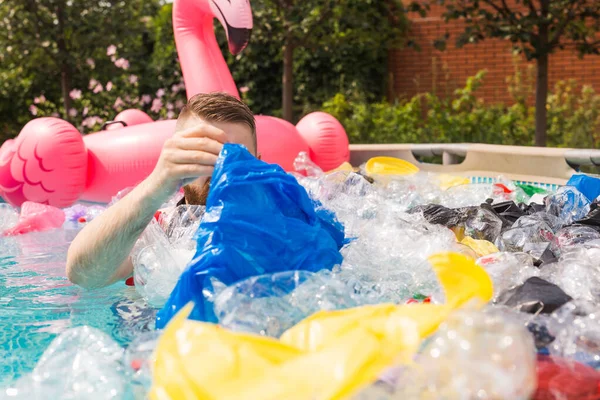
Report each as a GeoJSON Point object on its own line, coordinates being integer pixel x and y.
{"type": "Point", "coordinates": [536, 28]}
{"type": "Point", "coordinates": [53, 42]}
{"type": "Point", "coordinates": [295, 26]}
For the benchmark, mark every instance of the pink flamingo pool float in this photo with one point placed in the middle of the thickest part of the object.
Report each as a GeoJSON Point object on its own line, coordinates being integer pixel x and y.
{"type": "Point", "coordinates": [50, 162]}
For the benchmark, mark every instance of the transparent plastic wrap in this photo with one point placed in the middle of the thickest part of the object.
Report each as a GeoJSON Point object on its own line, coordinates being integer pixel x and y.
{"type": "Point", "coordinates": [164, 250]}
{"type": "Point", "coordinates": [473, 355]}
{"type": "Point", "coordinates": [9, 216]}
{"type": "Point", "coordinates": [82, 363]}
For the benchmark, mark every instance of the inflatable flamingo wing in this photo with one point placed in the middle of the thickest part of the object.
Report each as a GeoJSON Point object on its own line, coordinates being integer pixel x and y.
{"type": "Point", "coordinates": [46, 163]}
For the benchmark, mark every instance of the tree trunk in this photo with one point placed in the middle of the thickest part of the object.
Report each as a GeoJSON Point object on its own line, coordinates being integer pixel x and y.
{"type": "Point", "coordinates": [541, 84]}
{"type": "Point", "coordinates": [288, 81]}
{"type": "Point", "coordinates": [541, 97]}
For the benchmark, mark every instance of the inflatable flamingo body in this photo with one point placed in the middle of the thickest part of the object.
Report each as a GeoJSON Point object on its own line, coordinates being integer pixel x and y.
{"type": "Point", "coordinates": [50, 162]}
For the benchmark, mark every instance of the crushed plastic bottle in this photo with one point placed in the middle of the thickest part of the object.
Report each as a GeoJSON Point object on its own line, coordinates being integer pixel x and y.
{"type": "Point", "coordinates": [270, 304]}
{"type": "Point", "coordinates": [473, 355]}
{"type": "Point", "coordinates": [576, 327]}
{"type": "Point", "coordinates": [568, 203]}
{"type": "Point", "coordinates": [138, 360]}
{"type": "Point", "coordinates": [577, 273]}
{"type": "Point", "coordinates": [508, 270]}
{"type": "Point", "coordinates": [575, 236]}
{"type": "Point", "coordinates": [82, 363]}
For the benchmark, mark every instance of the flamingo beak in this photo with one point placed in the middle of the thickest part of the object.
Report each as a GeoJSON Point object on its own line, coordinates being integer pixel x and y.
{"type": "Point", "coordinates": [237, 39]}
{"type": "Point", "coordinates": [236, 18]}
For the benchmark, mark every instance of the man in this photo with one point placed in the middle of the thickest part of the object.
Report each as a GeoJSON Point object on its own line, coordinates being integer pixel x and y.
{"type": "Point", "coordinates": [99, 255]}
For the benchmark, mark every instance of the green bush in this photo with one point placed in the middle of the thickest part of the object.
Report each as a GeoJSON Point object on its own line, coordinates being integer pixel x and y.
{"type": "Point", "coordinates": [574, 118]}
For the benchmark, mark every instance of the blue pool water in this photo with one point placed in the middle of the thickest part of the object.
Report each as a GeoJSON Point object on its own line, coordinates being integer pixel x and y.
{"type": "Point", "coordinates": [37, 302]}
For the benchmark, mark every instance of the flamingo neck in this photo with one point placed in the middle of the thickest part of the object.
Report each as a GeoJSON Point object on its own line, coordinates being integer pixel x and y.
{"type": "Point", "coordinates": [202, 63]}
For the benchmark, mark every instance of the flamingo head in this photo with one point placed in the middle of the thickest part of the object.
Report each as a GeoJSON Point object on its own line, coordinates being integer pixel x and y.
{"type": "Point", "coordinates": [236, 18]}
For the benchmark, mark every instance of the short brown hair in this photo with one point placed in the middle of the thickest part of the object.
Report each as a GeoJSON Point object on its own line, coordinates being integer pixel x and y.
{"type": "Point", "coordinates": [220, 107]}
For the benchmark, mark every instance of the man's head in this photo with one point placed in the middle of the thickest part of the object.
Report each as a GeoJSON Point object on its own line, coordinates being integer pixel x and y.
{"type": "Point", "coordinates": [224, 112]}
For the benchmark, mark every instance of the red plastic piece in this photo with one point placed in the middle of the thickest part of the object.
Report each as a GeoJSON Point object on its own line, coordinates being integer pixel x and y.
{"type": "Point", "coordinates": [411, 301]}
{"type": "Point", "coordinates": [36, 217]}
{"type": "Point", "coordinates": [157, 215]}
{"type": "Point", "coordinates": [503, 187]}
{"type": "Point", "coordinates": [559, 378]}
{"type": "Point", "coordinates": [129, 281]}
{"type": "Point", "coordinates": [82, 220]}
{"type": "Point", "coordinates": [136, 364]}
{"type": "Point", "coordinates": [427, 300]}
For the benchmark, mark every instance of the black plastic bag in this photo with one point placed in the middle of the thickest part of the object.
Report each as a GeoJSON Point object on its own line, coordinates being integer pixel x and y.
{"type": "Point", "coordinates": [535, 296]}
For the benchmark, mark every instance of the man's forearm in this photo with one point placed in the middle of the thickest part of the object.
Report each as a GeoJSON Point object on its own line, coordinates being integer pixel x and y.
{"type": "Point", "coordinates": [97, 257]}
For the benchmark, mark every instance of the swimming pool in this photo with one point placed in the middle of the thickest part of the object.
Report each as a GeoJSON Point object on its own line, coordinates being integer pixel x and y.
{"type": "Point", "coordinates": [37, 302]}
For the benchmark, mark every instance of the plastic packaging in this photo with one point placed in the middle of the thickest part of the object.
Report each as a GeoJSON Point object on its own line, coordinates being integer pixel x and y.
{"type": "Point", "coordinates": [568, 203]}
{"type": "Point", "coordinates": [258, 220]}
{"type": "Point", "coordinates": [473, 355]}
{"type": "Point", "coordinates": [330, 355]}
{"type": "Point", "coordinates": [36, 217]}
{"type": "Point", "coordinates": [270, 304]}
{"type": "Point", "coordinates": [588, 185]}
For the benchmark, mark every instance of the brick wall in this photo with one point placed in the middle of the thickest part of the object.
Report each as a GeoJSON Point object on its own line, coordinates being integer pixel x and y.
{"type": "Point", "coordinates": [415, 72]}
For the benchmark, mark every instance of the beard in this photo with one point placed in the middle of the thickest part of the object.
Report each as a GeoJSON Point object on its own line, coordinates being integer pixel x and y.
{"type": "Point", "coordinates": [196, 194]}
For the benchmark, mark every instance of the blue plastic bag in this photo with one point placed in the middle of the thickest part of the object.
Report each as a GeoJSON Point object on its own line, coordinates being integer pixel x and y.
{"type": "Point", "coordinates": [586, 184]}
{"type": "Point", "coordinates": [258, 220]}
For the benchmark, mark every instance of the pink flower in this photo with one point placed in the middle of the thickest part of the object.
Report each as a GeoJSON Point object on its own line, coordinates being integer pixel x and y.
{"type": "Point", "coordinates": [133, 79]}
{"type": "Point", "coordinates": [128, 99]}
{"type": "Point", "coordinates": [40, 100]}
{"type": "Point", "coordinates": [55, 115]}
{"type": "Point", "coordinates": [91, 63]}
{"type": "Point", "coordinates": [244, 89]}
{"type": "Point", "coordinates": [109, 86]}
{"type": "Point", "coordinates": [85, 111]}
{"type": "Point", "coordinates": [98, 88]}
{"type": "Point", "coordinates": [122, 63]}
{"type": "Point", "coordinates": [170, 115]}
{"type": "Point", "coordinates": [92, 84]}
{"type": "Point", "coordinates": [175, 88]}
{"type": "Point", "coordinates": [90, 122]}
{"type": "Point", "coordinates": [111, 50]}
{"type": "Point", "coordinates": [169, 106]}
{"type": "Point", "coordinates": [146, 99]}
{"type": "Point", "coordinates": [118, 103]}
{"type": "Point", "coordinates": [156, 105]}
{"type": "Point", "coordinates": [160, 92]}
{"type": "Point", "coordinates": [179, 104]}
{"type": "Point", "coordinates": [33, 109]}
{"type": "Point", "coordinates": [72, 113]}
{"type": "Point", "coordinates": [75, 94]}
{"type": "Point", "coordinates": [113, 58]}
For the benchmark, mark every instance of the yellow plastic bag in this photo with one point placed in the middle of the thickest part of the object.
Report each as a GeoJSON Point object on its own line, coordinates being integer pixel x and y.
{"type": "Point", "coordinates": [480, 247]}
{"type": "Point", "coordinates": [330, 355]}
{"type": "Point", "coordinates": [390, 166]}
{"type": "Point", "coordinates": [446, 181]}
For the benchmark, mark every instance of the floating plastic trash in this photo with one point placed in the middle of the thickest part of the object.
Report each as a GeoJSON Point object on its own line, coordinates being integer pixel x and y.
{"type": "Point", "coordinates": [36, 217]}
{"type": "Point", "coordinates": [390, 166]}
{"type": "Point", "coordinates": [330, 355]}
{"type": "Point", "coordinates": [258, 220]}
